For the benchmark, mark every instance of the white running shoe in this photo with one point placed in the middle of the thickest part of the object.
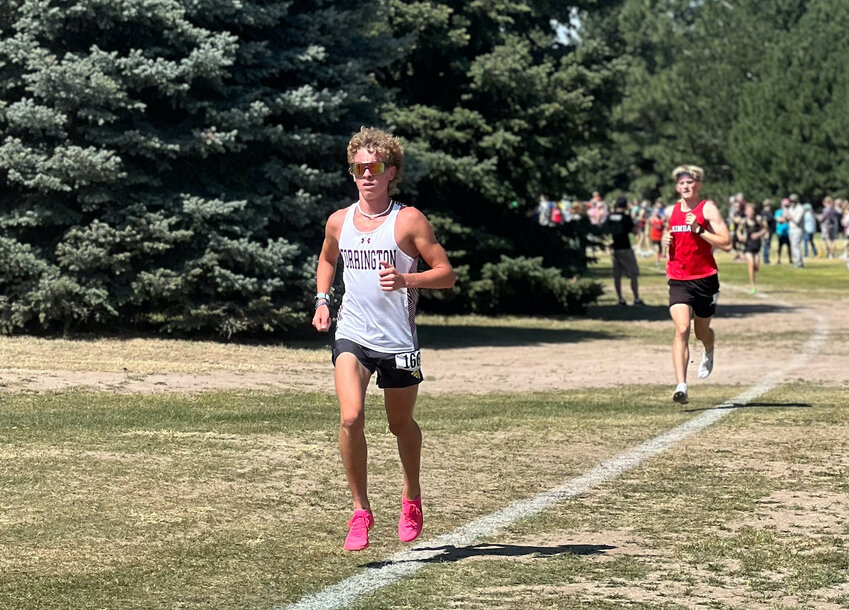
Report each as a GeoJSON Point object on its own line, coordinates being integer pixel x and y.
{"type": "Point", "coordinates": [680, 395]}
{"type": "Point", "coordinates": [706, 366]}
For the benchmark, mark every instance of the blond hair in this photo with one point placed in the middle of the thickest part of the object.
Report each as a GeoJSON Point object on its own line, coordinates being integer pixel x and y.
{"type": "Point", "coordinates": [381, 143]}
{"type": "Point", "coordinates": [695, 171]}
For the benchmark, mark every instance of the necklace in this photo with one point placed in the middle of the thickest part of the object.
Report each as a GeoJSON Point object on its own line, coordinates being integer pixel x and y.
{"type": "Point", "coordinates": [373, 216]}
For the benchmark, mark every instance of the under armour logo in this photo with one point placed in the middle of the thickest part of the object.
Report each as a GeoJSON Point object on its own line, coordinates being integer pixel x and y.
{"type": "Point", "coordinates": [365, 240]}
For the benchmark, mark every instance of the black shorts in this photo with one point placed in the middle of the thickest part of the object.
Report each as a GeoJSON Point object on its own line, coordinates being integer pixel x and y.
{"type": "Point", "coordinates": [625, 263]}
{"type": "Point", "coordinates": [700, 294]}
{"type": "Point", "coordinates": [393, 370]}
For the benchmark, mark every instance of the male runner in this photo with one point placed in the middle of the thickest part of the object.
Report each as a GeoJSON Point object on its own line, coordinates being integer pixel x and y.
{"type": "Point", "coordinates": [751, 232]}
{"type": "Point", "coordinates": [695, 228]}
{"type": "Point", "coordinates": [379, 241]}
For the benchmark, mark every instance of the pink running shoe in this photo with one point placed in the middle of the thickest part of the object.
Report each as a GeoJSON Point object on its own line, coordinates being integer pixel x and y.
{"type": "Point", "coordinates": [358, 528]}
{"type": "Point", "coordinates": [410, 524]}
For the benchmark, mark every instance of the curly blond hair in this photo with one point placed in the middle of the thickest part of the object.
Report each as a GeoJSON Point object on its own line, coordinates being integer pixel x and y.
{"type": "Point", "coordinates": [381, 143]}
{"type": "Point", "coordinates": [695, 171]}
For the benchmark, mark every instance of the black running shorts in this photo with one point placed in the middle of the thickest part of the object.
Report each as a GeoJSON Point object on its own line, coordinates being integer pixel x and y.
{"type": "Point", "coordinates": [393, 370]}
{"type": "Point", "coordinates": [700, 294]}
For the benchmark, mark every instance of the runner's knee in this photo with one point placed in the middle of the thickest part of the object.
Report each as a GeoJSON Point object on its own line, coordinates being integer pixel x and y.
{"type": "Point", "coordinates": [400, 426]}
{"type": "Point", "coordinates": [353, 422]}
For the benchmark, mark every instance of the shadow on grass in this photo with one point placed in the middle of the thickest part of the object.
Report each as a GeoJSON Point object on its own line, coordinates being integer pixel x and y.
{"type": "Point", "coordinates": [655, 313]}
{"type": "Point", "coordinates": [451, 553]}
{"type": "Point", "coordinates": [768, 405]}
{"type": "Point", "coordinates": [500, 336]}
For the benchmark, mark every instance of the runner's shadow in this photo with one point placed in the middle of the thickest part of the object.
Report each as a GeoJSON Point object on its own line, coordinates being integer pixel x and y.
{"type": "Point", "coordinates": [619, 313]}
{"type": "Point", "coordinates": [769, 405]}
{"type": "Point", "coordinates": [656, 313]}
{"type": "Point", "coordinates": [451, 553]}
{"type": "Point", "coordinates": [446, 337]}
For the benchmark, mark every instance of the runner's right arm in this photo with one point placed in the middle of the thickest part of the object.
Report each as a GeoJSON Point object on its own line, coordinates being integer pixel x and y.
{"type": "Point", "coordinates": [326, 269]}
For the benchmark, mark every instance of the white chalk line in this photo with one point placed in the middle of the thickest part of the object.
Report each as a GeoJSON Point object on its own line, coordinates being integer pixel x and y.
{"type": "Point", "coordinates": [408, 562]}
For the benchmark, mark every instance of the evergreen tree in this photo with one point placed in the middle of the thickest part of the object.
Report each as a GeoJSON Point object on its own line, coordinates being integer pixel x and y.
{"type": "Point", "coordinates": [688, 66]}
{"type": "Point", "coordinates": [791, 135]}
{"type": "Point", "coordinates": [171, 162]}
{"type": "Point", "coordinates": [495, 109]}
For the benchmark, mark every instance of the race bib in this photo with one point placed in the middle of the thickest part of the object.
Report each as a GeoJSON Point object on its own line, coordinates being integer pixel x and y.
{"type": "Point", "coordinates": [411, 361]}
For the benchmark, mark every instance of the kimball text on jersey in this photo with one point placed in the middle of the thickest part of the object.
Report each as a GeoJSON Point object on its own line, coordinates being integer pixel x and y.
{"type": "Point", "coordinates": [367, 259]}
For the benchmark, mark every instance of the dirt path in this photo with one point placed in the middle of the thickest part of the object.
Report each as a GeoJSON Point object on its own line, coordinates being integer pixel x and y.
{"type": "Point", "coordinates": [751, 342]}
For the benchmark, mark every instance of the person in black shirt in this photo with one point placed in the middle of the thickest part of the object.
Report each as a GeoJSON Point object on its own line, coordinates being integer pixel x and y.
{"type": "Point", "coordinates": [769, 218]}
{"type": "Point", "coordinates": [620, 226]}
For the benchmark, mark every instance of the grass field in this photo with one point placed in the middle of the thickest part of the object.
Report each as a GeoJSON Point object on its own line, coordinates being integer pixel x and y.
{"type": "Point", "coordinates": [238, 499]}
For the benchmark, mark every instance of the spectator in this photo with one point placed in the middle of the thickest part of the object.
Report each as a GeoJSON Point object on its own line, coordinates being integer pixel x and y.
{"type": "Point", "coordinates": [829, 224]}
{"type": "Point", "coordinates": [809, 225]}
{"type": "Point", "coordinates": [768, 217]}
{"type": "Point", "coordinates": [795, 217]}
{"type": "Point", "coordinates": [845, 223]}
{"type": "Point", "coordinates": [544, 211]}
{"type": "Point", "coordinates": [556, 214]}
{"type": "Point", "coordinates": [782, 228]}
{"type": "Point", "coordinates": [656, 225]}
{"type": "Point", "coordinates": [641, 216]}
{"type": "Point", "coordinates": [620, 226]}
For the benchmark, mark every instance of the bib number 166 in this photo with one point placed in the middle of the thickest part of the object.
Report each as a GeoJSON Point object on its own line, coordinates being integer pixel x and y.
{"type": "Point", "coordinates": [411, 361]}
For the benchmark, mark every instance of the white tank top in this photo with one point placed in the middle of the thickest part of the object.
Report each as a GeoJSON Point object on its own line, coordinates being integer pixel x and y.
{"type": "Point", "coordinates": [378, 320]}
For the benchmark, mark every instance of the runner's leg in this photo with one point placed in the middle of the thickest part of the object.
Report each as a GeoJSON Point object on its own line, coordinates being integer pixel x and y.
{"type": "Point", "coordinates": [750, 260]}
{"type": "Point", "coordinates": [704, 333]}
{"type": "Point", "coordinates": [680, 347]}
{"type": "Point", "coordinates": [400, 403]}
{"type": "Point", "coordinates": [351, 383]}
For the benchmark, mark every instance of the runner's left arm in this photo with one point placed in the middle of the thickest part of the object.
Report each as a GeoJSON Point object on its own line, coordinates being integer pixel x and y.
{"type": "Point", "coordinates": [717, 233]}
{"type": "Point", "coordinates": [421, 242]}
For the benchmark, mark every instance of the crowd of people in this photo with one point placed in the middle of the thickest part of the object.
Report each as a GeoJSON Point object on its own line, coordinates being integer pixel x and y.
{"type": "Point", "coordinates": [756, 230]}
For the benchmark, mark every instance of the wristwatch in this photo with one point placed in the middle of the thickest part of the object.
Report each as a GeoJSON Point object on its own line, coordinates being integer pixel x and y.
{"type": "Point", "coordinates": [700, 230]}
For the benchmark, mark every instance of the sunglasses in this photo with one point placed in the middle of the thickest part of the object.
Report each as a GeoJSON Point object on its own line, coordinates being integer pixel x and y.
{"type": "Point", "coordinates": [375, 167]}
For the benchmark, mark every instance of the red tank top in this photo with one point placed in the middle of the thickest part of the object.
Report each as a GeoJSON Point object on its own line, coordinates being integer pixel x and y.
{"type": "Point", "coordinates": [690, 257]}
{"type": "Point", "coordinates": [656, 233]}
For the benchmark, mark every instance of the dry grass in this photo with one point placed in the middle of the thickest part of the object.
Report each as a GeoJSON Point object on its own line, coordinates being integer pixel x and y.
{"type": "Point", "coordinates": [151, 355]}
{"type": "Point", "coordinates": [751, 514]}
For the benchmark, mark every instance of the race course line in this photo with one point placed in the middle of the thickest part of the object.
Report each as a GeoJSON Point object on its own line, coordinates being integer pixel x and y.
{"type": "Point", "coordinates": [409, 562]}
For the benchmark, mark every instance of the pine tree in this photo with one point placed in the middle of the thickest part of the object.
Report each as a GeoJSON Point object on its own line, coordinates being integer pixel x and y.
{"type": "Point", "coordinates": [688, 65]}
{"type": "Point", "coordinates": [495, 109]}
{"type": "Point", "coordinates": [791, 135]}
{"type": "Point", "coordinates": [170, 163]}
